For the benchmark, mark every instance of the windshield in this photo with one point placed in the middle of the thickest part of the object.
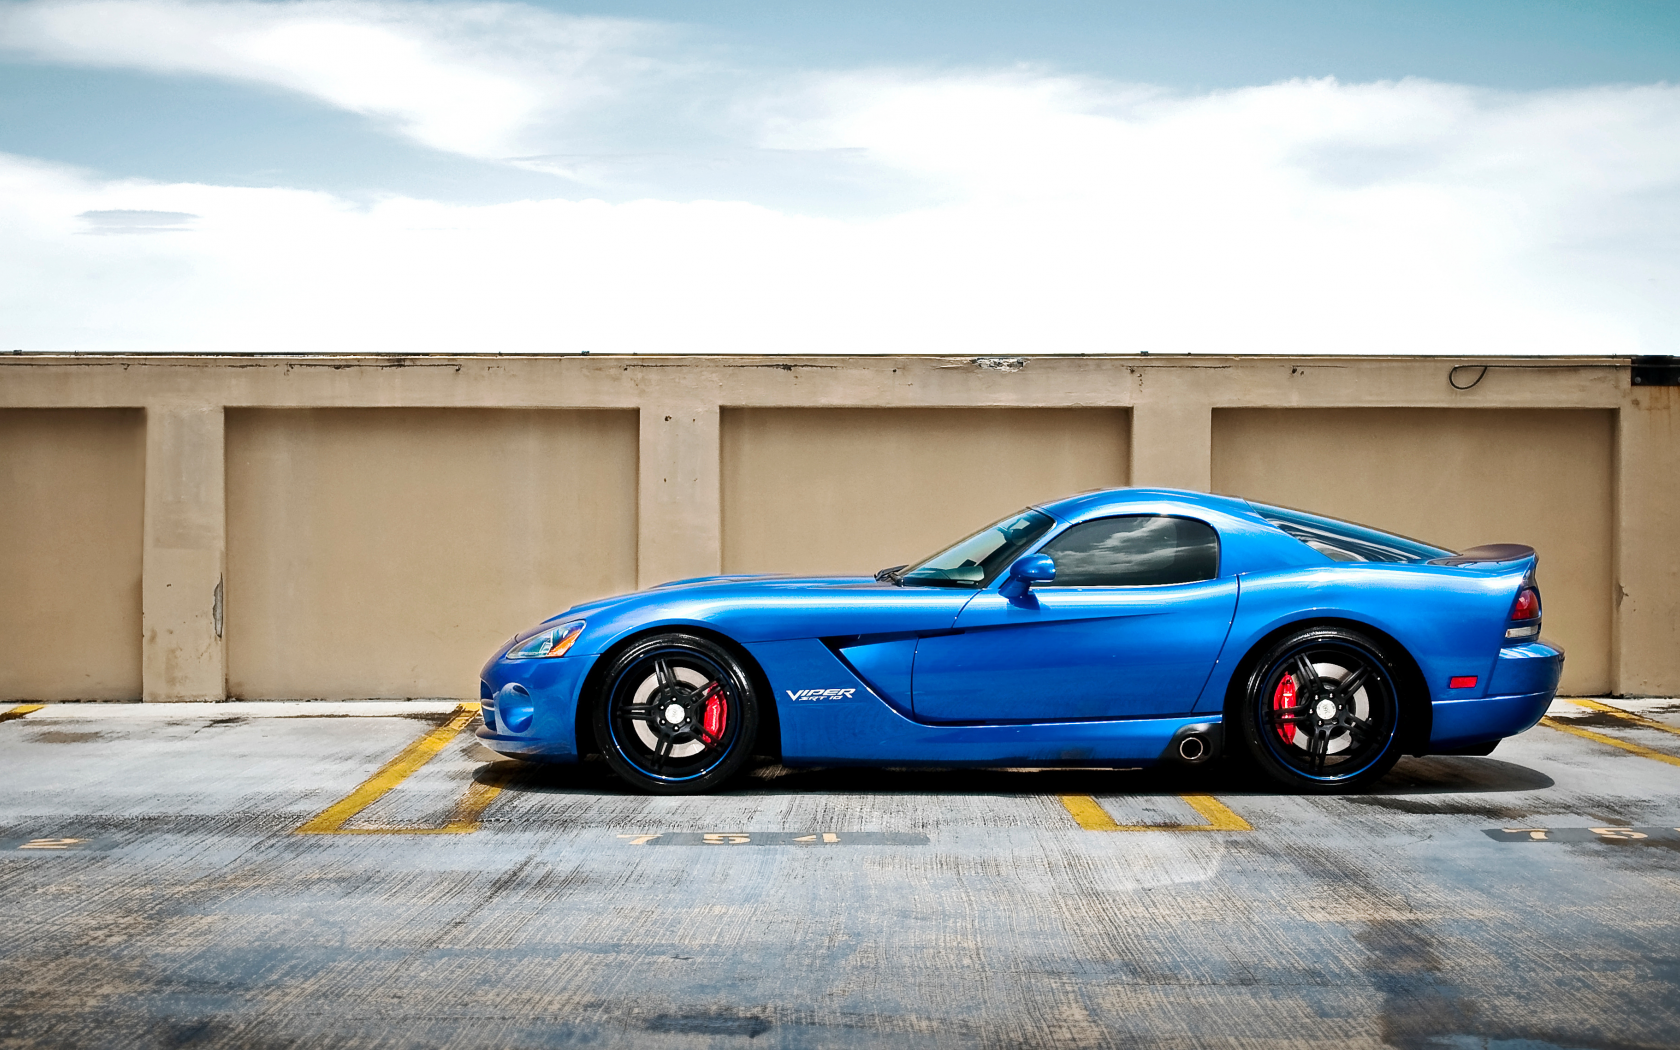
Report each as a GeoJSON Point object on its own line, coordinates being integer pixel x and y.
{"type": "Point", "coordinates": [976, 560]}
{"type": "Point", "coordinates": [1345, 541]}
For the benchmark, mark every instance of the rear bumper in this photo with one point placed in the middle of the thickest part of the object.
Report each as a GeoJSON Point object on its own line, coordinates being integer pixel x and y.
{"type": "Point", "coordinates": [1532, 668]}
{"type": "Point", "coordinates": [1460, 723]}
{"type": "Point", "coordinates": [1523, 684]}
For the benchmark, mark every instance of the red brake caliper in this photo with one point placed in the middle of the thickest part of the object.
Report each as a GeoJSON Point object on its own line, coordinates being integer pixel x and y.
{"type": "Point", "coordinates": [711, 727]}
{"type": "Point", "coordinates": [1284, 697]}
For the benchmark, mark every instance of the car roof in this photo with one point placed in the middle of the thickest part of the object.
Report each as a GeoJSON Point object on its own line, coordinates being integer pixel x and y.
{"type": "Point", "coordinates": [1155, 500]}
{"type": "Point", "coordinates": [1248, 542]}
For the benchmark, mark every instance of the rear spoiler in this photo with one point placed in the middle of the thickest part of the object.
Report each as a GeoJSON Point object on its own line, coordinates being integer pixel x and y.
{"type": "Point", "coordinates": [1486, 554]}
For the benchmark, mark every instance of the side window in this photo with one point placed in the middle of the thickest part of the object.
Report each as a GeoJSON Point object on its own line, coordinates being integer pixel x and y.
{"type": "Point", "coordinates": [1138, 550]}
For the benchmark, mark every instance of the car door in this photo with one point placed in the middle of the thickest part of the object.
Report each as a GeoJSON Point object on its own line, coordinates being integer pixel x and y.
{"type": "Point", "coordinates": [1130, 627]}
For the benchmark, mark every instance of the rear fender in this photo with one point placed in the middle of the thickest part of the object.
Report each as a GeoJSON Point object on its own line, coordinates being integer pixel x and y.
{"type": "Point", "coordinates": [1448, 620]}
{"type": "Point", "coordinates": [1414, 691]}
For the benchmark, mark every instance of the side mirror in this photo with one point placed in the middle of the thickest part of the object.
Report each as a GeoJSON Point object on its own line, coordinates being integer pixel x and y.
{"type": "Point", "coordinates": [1034, 568]}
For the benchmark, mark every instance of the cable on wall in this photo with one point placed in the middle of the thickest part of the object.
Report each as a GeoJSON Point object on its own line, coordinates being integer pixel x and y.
{"type": "Point", "coordinates": [1452, 376]}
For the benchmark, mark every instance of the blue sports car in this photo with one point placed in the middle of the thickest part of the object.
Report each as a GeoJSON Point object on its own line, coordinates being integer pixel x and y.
{"type": "Point", "coordinates": [1115, 628]}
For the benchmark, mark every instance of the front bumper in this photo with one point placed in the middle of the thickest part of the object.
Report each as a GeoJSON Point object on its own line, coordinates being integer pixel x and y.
{"type": "Point", "coordinates": [529, 750]}
{"type": "Point", "coordinates": [1523, 684]}
{"type": "Point", "coordinates": [530, 707]}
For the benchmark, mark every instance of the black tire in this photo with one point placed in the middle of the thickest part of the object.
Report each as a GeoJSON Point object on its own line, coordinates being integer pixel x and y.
{"type": "Point", "coordinates": [1302, 724]}
{"type": "Point", "coordinates": [651, 720]}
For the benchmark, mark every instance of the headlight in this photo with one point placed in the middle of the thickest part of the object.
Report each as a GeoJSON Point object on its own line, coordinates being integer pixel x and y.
{"type": "Point", "coordinates": [552, 642]}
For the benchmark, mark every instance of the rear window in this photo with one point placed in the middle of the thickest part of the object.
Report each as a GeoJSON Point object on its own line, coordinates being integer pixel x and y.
{"type": "Point", "coordinates": [1345, 541]}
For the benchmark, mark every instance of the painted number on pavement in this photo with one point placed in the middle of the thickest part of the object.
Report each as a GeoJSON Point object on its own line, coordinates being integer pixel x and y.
{"type": "Point", "coordinates": [1601, 834]}
{"type": "Point", "coordinates": [47, 844]}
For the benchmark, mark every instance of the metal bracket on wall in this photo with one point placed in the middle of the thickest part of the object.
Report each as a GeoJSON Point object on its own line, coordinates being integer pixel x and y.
{"type": "Point", "coordinates": [1656, 371]}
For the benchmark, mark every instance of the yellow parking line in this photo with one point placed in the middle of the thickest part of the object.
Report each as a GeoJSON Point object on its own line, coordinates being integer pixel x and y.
{"type": "Point", "coordinates": [19, 711]}
{"type": "Point", "coordinates": [464, 820]}
{"type": "Point", "coordinates": [331, 820]}
{"type": "Point", "coordinates": [1090, 815]}
{"type": "Point", "coordinates": [1628, 716]}
{"type": "Point", "coordinates": [480, 793]}
{"type": "Point", "coordinates": [1219, 816]}
{"type": "Point", "coordinates": [1625, 745]}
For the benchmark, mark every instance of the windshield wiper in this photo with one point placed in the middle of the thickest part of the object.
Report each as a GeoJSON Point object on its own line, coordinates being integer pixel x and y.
{"type": "Point", "coordinates": [895, 574]}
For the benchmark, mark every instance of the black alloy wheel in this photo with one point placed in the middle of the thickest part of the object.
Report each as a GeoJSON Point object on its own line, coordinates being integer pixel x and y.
{"type": "Point", "coordinates": [1322, 711]}
{"type": "Point", "coordinates": [677, 714]}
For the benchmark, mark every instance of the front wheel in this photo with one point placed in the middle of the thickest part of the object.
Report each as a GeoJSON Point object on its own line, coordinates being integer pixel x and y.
{"type": "Point", "coordinates": [1321, 711]}
{"type": "Point", "coordinates": [677, 714]}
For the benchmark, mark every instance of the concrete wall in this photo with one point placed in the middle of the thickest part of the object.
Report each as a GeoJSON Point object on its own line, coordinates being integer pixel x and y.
{"type": "Point", "coordinates": [1645, 640]}
{"type": "Point", "coordinates": [72, 482]}
{"type": "Point", "coordinates": [831, 490]}
{"type": "Point", "coordinates": [1455, 478]}
{"type": "Point", "coordinates": [398, 547]}
{"type": "Point", "coordinates": [377, 524]}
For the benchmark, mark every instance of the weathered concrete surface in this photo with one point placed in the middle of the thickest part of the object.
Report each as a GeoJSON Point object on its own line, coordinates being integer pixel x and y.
{"type": "Point", "coordinates": [193, 916]}
{"type": "Point", "coordinates": [850, 490]}
{"type": "Point", "coordinates": [71, 555]}
{"type": "Point", "coordinates": [385, 552]}
{"type": "Point", "coordinates": [1464, 475]}
{"type": "Point", "coordinates": [183, 638]}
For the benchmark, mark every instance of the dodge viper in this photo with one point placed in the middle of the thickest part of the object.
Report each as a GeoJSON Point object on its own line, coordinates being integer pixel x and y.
{"type": "Point", "coordinates": [1119, 628]}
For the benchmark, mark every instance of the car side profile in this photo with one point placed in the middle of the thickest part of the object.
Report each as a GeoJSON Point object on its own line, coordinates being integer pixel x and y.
{"type": "Point", "coordinates": [1124, 627]}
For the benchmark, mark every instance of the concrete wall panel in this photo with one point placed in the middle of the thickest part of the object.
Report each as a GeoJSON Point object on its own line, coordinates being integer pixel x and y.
{"type": "Point", "coordinates": [385, 552]}
{"type": "Point", "coordinates": [855, 489]}
{"type": "Point", "coordinates": [72, 498]}
{"type": "Point", "coordinates": [1455, 477]}
{"type": "Point", "coordinates": [1647, 593]}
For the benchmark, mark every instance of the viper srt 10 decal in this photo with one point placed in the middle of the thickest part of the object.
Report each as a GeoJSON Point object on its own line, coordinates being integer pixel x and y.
{"type": "Point", "coordinates": [819, 694]}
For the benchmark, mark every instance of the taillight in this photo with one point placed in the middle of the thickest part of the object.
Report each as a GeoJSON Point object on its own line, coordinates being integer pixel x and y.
{"type": "Point", "coordinates": [1525, 614]}
{"type": "Point", "coordinates": [1527, 606]}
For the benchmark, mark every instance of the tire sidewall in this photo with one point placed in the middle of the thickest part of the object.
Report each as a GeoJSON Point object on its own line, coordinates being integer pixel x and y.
{"type": "Point", "coordinates": [1253, 728]}
{"type": "Point", "coordinates": [747, 717]}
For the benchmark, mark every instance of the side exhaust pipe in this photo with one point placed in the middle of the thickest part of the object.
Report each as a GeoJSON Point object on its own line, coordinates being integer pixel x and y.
{"type": "Point", "coordinates": [1194, 744]}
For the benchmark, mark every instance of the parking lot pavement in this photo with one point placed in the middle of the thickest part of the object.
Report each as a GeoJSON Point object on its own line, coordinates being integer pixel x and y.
{"type": "Point", "coordinates": [156, 890]}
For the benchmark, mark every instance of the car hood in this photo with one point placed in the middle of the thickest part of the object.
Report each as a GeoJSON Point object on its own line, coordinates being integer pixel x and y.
{"type": "Point", "coordinates": [767, 608]}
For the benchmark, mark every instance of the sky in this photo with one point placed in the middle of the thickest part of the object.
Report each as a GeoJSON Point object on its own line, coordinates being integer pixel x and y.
{"type": "Point", "coordinates": [983, 178]}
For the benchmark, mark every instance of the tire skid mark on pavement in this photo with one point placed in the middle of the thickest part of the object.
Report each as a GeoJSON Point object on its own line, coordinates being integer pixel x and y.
{"type": "Point", "coordinates": [1622, 715]}
{"type": "Point", "coordinates": [1089, 814]}
{"type": "Point", "coordinates": [463, 820]}
{"type": "Point", "coordinates": [1632, 721]}
{"type": "Point", "coordinates": [19, 711]}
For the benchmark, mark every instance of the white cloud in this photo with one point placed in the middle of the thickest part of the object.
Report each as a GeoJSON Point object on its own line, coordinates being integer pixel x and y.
{"type": "Point", "coordinates": [467, 78]}
{"type": "Point", "coordinates": [1057, 214]}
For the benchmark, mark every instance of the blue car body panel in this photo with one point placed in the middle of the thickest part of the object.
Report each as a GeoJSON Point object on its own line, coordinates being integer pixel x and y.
{"type": "Point", "coordinates": [552, 688]}
{"type": "Point", "coordinates": [869, 672]}
{"type": "Point", "coordinates": [840, 721]}
{"type": "Point", "coordinates": [1075, 653]}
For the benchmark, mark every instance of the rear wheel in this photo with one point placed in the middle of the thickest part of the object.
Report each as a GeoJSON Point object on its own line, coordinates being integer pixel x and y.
{"type": "Point", "coordinates": [677, 714]}
{"type": "Point", "coordinates": [1322, 712]}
